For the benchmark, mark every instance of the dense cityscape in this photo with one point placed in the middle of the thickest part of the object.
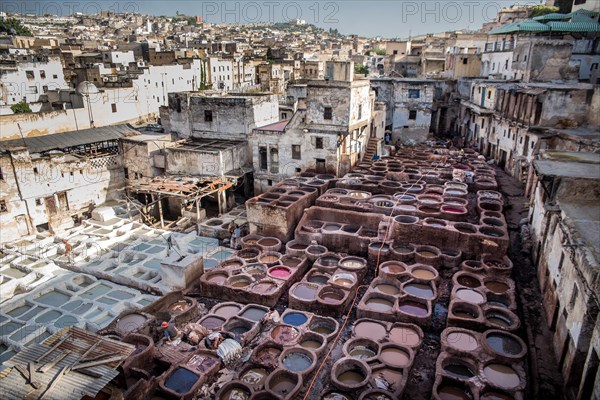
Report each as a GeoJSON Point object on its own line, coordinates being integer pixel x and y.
{"type": "Point", "coordinates": [193, 209]}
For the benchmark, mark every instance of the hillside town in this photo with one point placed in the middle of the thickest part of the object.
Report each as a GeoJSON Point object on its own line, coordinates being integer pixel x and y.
{"type": "Point", "coordinates": [235, 211]}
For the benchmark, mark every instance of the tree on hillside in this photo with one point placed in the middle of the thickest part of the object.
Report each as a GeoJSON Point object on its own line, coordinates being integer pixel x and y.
{"type": "Point", "coordinates": [14, 27]}
{"type": "Point", "coordinates": [541, 9]}
{"type": "Point", "coordinates": [361, 69]}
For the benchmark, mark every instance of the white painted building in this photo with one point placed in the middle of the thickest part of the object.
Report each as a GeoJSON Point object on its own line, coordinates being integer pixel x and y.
{"type": "Point", "coordinates": [28, 78]}
{"type": "Point", "coordinates": [221, 73]}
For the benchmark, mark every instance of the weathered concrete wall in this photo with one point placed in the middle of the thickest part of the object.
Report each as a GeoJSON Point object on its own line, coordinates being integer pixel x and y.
{"type": "Point", "coordinates": [543, 60]}
{"type": "Point", "coordinates": [321, 94]}
{"type": "Point", "coordinates": [498, 64]}
{"type": "Point", "coordinates": [184, 161]}
{"type": "Point", "coordinates": [571, 105]}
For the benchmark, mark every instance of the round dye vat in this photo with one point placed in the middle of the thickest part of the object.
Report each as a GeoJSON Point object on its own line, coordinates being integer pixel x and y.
{"type": "Point", "coordinates": [283, 384]}
{"type": "Point", "coordinates": [331, 297]}
{"type": "Point", "coordinates": [254, 313]}
{"type": "Point", "coordinates": [254, 376]}
{"type": "Point", "coordinates": [285, 334]}
{"type": "Point", "coordinates": [236, 393]}
{"type": "Point", "coordinates": [405, 336]}
{"type": "Point", "coordinates": [345, 280]}
{"type": "Point", "coordinates": [449, 392]}
{"type": "Point", "coordinates": [352, 263]}
{"type": "Point", "coordinates": [496, 287]}
{"type": "Point", "coordinates": [240, 282]}
{"type": "Point", "coordinates": [295, 318]}
{"type": "Point", "coordinates": [218, 278]}
{"type": "Point", "coordinates": [305, 292]}
{"type": "Point", "coordinates": [421, 273]}
{"type": "Point", "coordinates": [395, 357]}
{"type": "Point", "coordinates": [419, 290]}
{"type": "Point", "coordinates": [212, 323]}
{"type": "Point", "coordinates": [468, 281]}
{"type": "Point", "coordinates": [311, 343]}
{"type": "Point", "coordinates": [498, 318]}
{"type": "Point", "coordinates": [264, 286]}
{"type": "Point", "coordinates": [371, 330]}
{"type": "Point", "coordinates": [181, 380]}
{"type": "Point", "coordinates": [504, 344]}
{"type": "Point", "coordinates": [393, 268]}
{"type": "Point", "coordinates": [493, 395]}
{"type": "Point", "coordinates": [351, 377]}
{"type": "Point", "coordinates": [280, 272]}
{"type": "Point", "coordinates": [362, 352]}
{"type": "Point", "coordinates": [269, 259]}
{"type": "Point", "coordinates": [379, 304]}
{"type": "Point", "coordinates": [130, 323]}
{"type": "Point", "coordinates": [501, 375]}
{"type": "Point", "coordinates": [427, 253]}
{"type": "Point", "coordinates": [459, 370]}
{"type": "Point", "coordinates": [375, 247]}
{"type": "Point", "coordinates": [323, 328]}
{"type": "Point", "coordinates": [413, 308]}
{"type": "Point", "coordinates": [179, 306]}
{"type": "Point", "coordinates": [297, 361]}
{"type": "Point", "coordinates": [318, 279]}
{"type": "Point", "coordinates": [462, 341]}
{"type": "Point", "coordinates": [470, 296]}
{"type": "Point", "coordinates": [227, 311]}
{"type": "Point", "coordinates": [387, 289]}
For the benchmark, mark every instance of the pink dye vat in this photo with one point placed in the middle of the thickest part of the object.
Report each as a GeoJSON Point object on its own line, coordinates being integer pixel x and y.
{"type": "Point", "coordinates": [280, 273]}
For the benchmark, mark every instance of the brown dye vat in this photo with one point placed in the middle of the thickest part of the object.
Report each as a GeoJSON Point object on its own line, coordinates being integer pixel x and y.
{"type": "Point", "coordinates": [319, 279]}
{"type": "Point", "coordinates": [335, 396]}
{"type": "Point", "coordinates": [497, 287]}
{"type": "Point", "coordinates": [379, 304]}
{"type": "Point", "coordinates": [240, 282]}
{"type": "Point", "coordinates": [498, 318]}
{"type": "Point", "coordinates": [369, 329]}
{"type": "Point", "coordinates": [389, 376]}
{"type": "Point", "coordinates": [404, 336]}
{"type": "Point", "coordinates": [212, 323]}
{"type": "Point", "coordinates": [285, 335]}
{"type": "Point", "coordinates": [449, 392]}
{"type": "Point", "coordinates": [283, 383]}
{"type": "Point", "coordinates": [494, 395]}
{"type": "Point", "coordinates": [395, 357]}
{"type": "Point", "coordinates": [351, 377]}
{"type": "Point", "coordinates": [468, 281]}
{"type": "Point", "coordinates": [269, 259]}
{"type": "Point", "coordinates": [352, 263]}
{"type": "Point", "coordinates": [269, 356]}
{"type": "Point", "coordinates": [322, 327]}
{"type": "Point", "coordinates": [179, 306]}
{"type": "Point", "coordinates": [462, 341]}
{"type": "Point", "coordinates": [413, 308]}
{"type": "Point", "coordinates": [218, 278]}
{"type": "Point", "coordinates": [328, 295]}
{"type": "Point", "coordinates": [298, 246]}
{"type": "Point", "coordinates": [227, 311]}
{"type": "Point", "coordinates": [501, 375]}
{"type": "Point", "coordinates": [470, 296]}
{"type": "Point", "coordinates": [463, 312]}
{"type": "Point", "coordinates": [236, 392]}
{"type": "Point", "coordinates": [387, 289]}
{"type": "Point", "coordinates": [130, 323]}
{"type": "Point", "coordinates": [421, 273]}
{"type": "Point", "coordinates": [392, 267]}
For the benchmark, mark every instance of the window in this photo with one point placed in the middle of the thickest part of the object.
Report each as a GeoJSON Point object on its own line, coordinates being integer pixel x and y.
{"type": "Point", "coordinates": [465, 61]}
{"type": "Point", "coordinates": [412, 114]}
{"type": "Point", "coordinates": [327, 113]}
{"type": "Point", "coordinates": [296, 152]}
{"type": "Point", "coordinates": [29, 74]}
{"type": "Point", "coordinates": [54, 76]}
{"type": "Point", "coordinates": [283, 115]}
{"type": "Point", "coordinates": [208, 116]}
{"type": "Point", "coordinates": [274, 160]}
{"type": "Point", "coordinates": [262, 158]}
{"type": "Point", "coordinates": [113, 106]}
{"type": "Point", "coordinates": [38, 202]}
{"type": "Point", "coordinates": [269, 182]}
{"type": "Point", "coordinates": [1, 174]}
{"type": "Point", "coordinates": [319, 142]}
{"type": "Point", "coordinates": [395, 52]}
{"type": "Point", "coordinates": [414, 93]}
{"type": "Point", "coordinates": [3, 207]}
{"type": "Point", "coordinates": [42, 74]}
{"type": "Point", "coordinates": [45, 89]}
{"type": "Point", "coordinates": [35, 170]}
{"type": "Point", "coordinates": [360, 111]}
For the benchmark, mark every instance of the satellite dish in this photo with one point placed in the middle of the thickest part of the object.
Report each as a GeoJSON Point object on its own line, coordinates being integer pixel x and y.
{"type": "Point", "coordinates": [87, 88]}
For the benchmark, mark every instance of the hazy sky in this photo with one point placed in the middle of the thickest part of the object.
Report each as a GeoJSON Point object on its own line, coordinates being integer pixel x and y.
{"type": "Point", "coordinates": [391, 18]}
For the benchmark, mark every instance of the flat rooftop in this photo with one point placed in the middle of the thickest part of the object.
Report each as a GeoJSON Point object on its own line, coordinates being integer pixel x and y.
{"type": "Point", "coordinates": [565, 164]}
{"type": "Point", "coordinates": [584, 216]}
{"type": "Point", "coordinates": [208, 145]}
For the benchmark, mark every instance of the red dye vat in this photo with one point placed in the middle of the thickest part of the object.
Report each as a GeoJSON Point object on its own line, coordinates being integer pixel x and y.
{"type": "Point", "coordinates": [280, 273]}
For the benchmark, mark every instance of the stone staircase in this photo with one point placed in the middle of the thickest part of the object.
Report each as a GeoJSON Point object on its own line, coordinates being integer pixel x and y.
{"type": "Point", "coordinates": [371, 149]}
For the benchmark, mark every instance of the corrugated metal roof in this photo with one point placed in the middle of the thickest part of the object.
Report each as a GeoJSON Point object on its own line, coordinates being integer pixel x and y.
{"type": "Point", "coordinates": [551, 17]}
{"type": "Point", "coordinates": [58, 141]}
{"type": "Point", "coordinates": [562, 26]}
{"type": "Point", "coordinates": [72, 385]}
{"type": "Point", "coordinates": [527, 25]}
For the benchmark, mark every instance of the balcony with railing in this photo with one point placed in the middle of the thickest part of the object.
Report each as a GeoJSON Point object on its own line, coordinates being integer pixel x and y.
{"type": "Point", "coordinates": [505, 45]}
